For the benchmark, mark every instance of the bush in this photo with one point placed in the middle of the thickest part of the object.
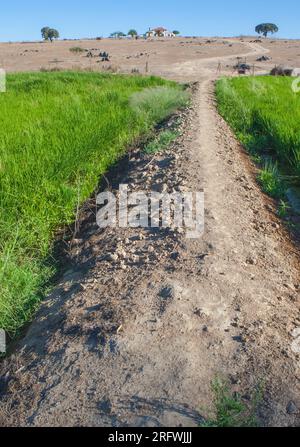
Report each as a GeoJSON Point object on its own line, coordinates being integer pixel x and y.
{"type": "Point", "coordinates": [77, 50]}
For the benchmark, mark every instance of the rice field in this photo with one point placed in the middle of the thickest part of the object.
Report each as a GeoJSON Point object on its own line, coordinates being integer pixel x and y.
{"type": "Point", "coordinates": [58, 133]}
{"type": "Point", "coordinates": [264, 112]}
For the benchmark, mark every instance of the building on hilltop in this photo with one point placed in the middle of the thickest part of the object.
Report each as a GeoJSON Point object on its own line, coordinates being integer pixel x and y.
{"type": "Point", "coordinates": [159, 32]}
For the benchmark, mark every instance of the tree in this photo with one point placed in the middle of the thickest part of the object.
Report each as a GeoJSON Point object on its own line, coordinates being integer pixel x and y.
{"type": "Point", "coordinates": [53, 34]}
{"type": "Point", "coordinates": [49, 33]}
{"type": "Point", "coordinates": [118, 34]}
{"type": "Point", "coordinates": [45, 32]}
{"type": "Point", "coordinates": [266, 28]}
{"type": "Point", "coordinates": [176, 33]}
{"type": "Point", "coordinates": [133, 33]}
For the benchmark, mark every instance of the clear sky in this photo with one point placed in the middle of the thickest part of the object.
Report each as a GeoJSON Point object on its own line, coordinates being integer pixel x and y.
{"type": "Point", "coordinates": [23, 19]}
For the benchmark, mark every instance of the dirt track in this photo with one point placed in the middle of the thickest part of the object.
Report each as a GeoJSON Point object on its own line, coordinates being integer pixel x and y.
{"type": "Point", "coordinates": [137, 342]}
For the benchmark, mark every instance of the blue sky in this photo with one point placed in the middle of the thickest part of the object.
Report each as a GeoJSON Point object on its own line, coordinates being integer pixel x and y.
{"type": "Point", "coordinates": [23, 19]}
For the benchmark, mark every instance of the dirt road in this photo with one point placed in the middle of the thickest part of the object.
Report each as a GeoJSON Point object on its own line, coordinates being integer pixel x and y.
{"type": "Point", "coordinates": [136, 339]}
{"type": "Point", "coordinates": [207, 68]}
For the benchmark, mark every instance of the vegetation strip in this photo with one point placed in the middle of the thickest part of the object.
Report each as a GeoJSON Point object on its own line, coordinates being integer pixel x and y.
{"type": "Point", "coordinates": [59, 132]}
{"type": "Point", "coordinates": [264, 112]}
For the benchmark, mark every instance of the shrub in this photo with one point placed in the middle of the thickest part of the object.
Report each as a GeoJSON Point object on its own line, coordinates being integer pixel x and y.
{"type": "Point", "coordinates": [77, 50]}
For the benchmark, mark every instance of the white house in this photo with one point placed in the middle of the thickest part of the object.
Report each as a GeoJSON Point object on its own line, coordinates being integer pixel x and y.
{"type": "Point", "coordinates": [160, 32]}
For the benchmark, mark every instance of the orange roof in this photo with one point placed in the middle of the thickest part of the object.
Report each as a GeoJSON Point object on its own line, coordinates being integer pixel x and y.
{"type": "Point", "coordinates": [159, 29]}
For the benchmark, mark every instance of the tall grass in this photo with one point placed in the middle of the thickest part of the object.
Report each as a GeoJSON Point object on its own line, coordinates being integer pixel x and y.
{"type": "Point", "coordinates": [158, 101]}
{"type": "Point", "coordinates": [265, 114]}
{"type": "Point", "coordinates": [58, 133]}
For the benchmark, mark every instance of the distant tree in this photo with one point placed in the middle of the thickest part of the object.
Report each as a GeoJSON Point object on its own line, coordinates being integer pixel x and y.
{"type": "Point", "coordinates": [44, 32]}
{"type": "Point", "coordinates": [132, 32]}
{"type": "Point", "coordinates": [49, 33]}
{"type": "Point", "coordinates": [53, 34]}
{"type": "Point", "coordinates": [118, 34]}
{"type": "Point", "coordinates": [176, 33]}
{"type": "Point", "coordinates": [266, 28]}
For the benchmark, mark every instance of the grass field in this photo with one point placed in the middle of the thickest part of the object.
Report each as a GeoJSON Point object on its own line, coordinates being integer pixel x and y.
{"type": "Point", "coordinates": [264, 112]}
{"type": "Point", "coordinates": [58, 133]}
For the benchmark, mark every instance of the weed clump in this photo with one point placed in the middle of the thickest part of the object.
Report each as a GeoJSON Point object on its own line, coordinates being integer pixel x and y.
{"type": "Point", "coordinates": [162, 141]}
{"type": "Point", "coordinates": [230, 409]}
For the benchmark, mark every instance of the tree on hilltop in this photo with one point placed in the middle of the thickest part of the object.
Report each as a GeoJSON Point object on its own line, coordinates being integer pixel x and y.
{"type": "Point", "coordinates": [133, 33]}
{"type": "Point", "coordinates": [49, 33]}
{"type": "Point", "coordinates": [266, 28]}
{"type": "Point", "coordinates": [44, 32]}
{"type": "Point", "coordinates": [118, 34]}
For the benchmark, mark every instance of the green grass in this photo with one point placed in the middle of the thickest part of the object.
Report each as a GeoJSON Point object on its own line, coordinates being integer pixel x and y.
{"type": "Point", "coordinates": [58, 133]}
{"type": "Point", "coordinates": [270, 180]}
{"type": "Point", "coordinates": [230, 410]}
{"type": "Point", "coordinates": [158, 102]}
{"type": "Point", "coordinates": [264, 112]}
{"type": "Point", "coordinates": [283, 209]}
{"type": "Point", "coordinates": [161, 142]}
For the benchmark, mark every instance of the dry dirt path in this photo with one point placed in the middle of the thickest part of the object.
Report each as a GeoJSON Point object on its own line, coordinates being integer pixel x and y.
{"type": "Point", "coordinates": [196, 70]}
{"type": "Point", "coordinates": [137, 340]}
